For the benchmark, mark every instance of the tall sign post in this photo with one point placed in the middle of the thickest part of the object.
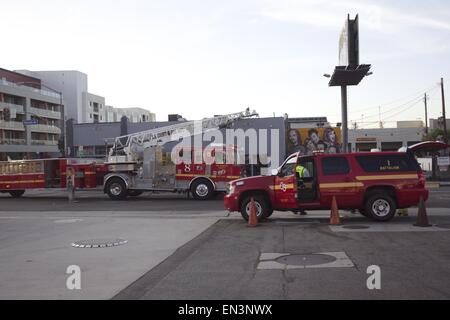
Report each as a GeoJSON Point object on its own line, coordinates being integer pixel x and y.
{"type": "Point", "coordinates": [349, 72]}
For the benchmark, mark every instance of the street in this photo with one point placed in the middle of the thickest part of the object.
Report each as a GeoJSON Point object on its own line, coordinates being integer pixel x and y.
{"type": "Point", "coordinates": [96, 200]}
{"type": "Point", "coordinates": [178, 248]}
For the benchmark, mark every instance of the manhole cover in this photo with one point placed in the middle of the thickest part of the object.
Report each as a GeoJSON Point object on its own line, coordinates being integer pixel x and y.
{"type": "Point", "coordinates": [355, 227]}
{"type": "Point", "coordinates": [98, 243]}
{"type": "Point", "coordinates": [444, 226]}
{"type": "Point", "coordinates": [306, 259]}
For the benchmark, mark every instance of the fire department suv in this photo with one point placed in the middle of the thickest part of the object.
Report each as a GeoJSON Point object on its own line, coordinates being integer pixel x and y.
{"type": "Point", "coordinates": [375, 183]}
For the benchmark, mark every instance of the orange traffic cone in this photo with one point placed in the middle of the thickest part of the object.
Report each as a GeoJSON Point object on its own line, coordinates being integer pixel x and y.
{"type": "Point", "coordinates": [335, 220]}
{"type": "Point", "coordinates": [252, 219]}
{"type": "Point", "coordinates": [422, 219]}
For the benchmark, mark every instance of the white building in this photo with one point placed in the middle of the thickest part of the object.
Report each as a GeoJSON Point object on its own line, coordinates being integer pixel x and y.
{"type": "Point", "coordinates": [133, 114]}
{"type": "Point", "coordinates": [83, 106]}
{"type": "Point", "coordinates": [94, 109]}
{"type": "Point", "coordinates": [386, 139]}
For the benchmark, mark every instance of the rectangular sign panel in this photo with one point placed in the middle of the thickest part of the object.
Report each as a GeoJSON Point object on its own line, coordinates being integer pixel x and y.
{"type": "Point", "coordinates": [29, 122]}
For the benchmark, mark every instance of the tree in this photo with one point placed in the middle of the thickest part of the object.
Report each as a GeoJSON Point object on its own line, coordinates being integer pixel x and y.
{"type": "Point", "coordinates": [435, 135]}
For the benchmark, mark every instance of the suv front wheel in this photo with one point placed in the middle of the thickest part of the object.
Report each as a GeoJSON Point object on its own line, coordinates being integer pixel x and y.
{"type": "Point", "coordinates": [262, 207]}
{"type": "Point", "coordinates": [380, 207]}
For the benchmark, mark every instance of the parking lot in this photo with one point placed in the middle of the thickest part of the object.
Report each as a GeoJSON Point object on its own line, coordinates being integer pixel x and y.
{"type": "Point", "coordinates": [178, 248]}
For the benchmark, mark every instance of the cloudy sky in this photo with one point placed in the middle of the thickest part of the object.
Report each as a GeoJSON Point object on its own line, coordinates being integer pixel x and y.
{"type": "Point", "coordinates": [199, 58]}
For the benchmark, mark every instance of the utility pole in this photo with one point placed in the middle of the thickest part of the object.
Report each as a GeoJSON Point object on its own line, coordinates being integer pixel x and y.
{"type": "Point", "coordinates": [443, 111]}
{"type": "Point", "coordinates": [426, 114]}
{"type": "Point", "coordinates": [379, 116]}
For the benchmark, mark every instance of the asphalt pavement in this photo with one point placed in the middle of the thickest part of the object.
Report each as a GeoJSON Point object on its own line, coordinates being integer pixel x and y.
{"type": "Point", "coordinates": [178, 248]}
{"type": "Point", "coordinates": [96, 200]}
{"type": "Point", "coordinates": [226, 262]}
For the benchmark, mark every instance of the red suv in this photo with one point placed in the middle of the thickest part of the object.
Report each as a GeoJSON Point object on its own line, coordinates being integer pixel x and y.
{"type": "Point", "coordinates": [375, 183]}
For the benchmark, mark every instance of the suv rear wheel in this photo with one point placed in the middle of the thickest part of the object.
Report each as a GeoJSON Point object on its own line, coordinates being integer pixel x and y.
{"type": "Point", "coordinates": [380, 207]}
{"type": "Point", "coordinates": [16, 193]}
{"type": "Point", "coordinates": [262, 207]}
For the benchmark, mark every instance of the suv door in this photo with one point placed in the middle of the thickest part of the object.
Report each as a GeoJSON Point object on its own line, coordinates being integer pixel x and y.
{"type": "Point", "coordinates": [337, 180]}
{"type": "Point", "coordinates": [307, 185]}
{"type": "Point", "coordinates": [285, 185]}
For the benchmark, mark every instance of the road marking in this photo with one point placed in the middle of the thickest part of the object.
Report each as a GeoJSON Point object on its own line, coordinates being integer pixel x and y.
{"type": "Point", "coordinates": [68, 220]}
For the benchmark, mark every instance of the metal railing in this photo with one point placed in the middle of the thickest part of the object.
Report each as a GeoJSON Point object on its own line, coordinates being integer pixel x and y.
{"type": "Point", "coordinates": [11, 125]}
{"type": "Point", "coordinates": [17, 107]}
{"type": "Point", "coordinates": [39, 91]}
{"type": "Point", "coordinates": [12, 141]}
{"type": "Point", "coordinates": [44, 128]}
{"type": "Point", "coordinates": [44, 142]}
{"type": "Point", "coordinates": [45, 113]}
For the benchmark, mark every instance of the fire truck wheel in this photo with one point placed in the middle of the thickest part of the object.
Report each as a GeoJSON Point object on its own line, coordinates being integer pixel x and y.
{"type": "Point", "coordinates": [202, 189]}
{"type": "Point", "coordinates": [380, 207]}
{"type": "Point", "coordinates": [116, 189]}
{"type": "Point", "coordinates": [16, 193]}
{"type": "Point", "coordinates": [135, 193]}
{"type": "Point", "coordinates": [262, 208]}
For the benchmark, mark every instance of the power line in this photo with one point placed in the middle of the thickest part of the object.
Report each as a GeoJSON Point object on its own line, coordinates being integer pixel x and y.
{"type": "Point", "coordinates": [435, 86]}
{"type": "Point", "coordinates": [410, 104]}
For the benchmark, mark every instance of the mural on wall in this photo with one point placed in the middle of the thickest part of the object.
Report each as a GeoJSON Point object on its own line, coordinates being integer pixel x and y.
{"type": "Point", "coordinates": [308, 140]}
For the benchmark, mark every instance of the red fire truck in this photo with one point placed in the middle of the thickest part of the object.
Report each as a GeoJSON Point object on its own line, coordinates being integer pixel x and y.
{"type": "Point", "coordinates": [20, 175]}
{"type": "Point", "coordinates": [138, 162]}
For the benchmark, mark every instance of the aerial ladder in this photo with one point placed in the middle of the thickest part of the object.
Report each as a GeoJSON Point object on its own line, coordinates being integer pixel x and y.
{"type": "Point", "coordinates": [129, 148]}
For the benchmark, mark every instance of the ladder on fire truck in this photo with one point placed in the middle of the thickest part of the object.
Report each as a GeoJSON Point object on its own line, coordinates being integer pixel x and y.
{"type": "Point", "coordinates": [124, 149]}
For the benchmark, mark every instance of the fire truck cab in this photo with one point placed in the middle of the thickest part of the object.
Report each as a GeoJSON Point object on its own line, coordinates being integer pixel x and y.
{"type": "Point", "coordinates": [375, 183]}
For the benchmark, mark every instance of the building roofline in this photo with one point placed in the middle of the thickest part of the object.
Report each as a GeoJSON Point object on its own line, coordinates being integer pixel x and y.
{"type": "Point", "coordinates": [21, 74]}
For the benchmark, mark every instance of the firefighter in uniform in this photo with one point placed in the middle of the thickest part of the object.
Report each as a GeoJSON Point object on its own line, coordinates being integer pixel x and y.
{"type": "Point", "coordinates": [70, 183]}
{"type": "Point", "coordinates": [301, 172]}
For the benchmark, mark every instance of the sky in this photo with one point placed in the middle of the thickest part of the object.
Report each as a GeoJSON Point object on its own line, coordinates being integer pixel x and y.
{"type": "Point", "coordinates": [200, 58]}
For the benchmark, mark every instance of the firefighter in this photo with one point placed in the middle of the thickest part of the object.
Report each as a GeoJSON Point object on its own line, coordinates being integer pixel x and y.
{"type": "Point", "coordinates": [70, 182]}
{"type": "Point", "coordinates": [301, 172]}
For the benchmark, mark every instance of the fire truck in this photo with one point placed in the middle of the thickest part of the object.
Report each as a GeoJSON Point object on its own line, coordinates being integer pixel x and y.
{"type": "Point", "coordinates": [138, 162]}
{"type": "Point", "coordinates": [20, 175]}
